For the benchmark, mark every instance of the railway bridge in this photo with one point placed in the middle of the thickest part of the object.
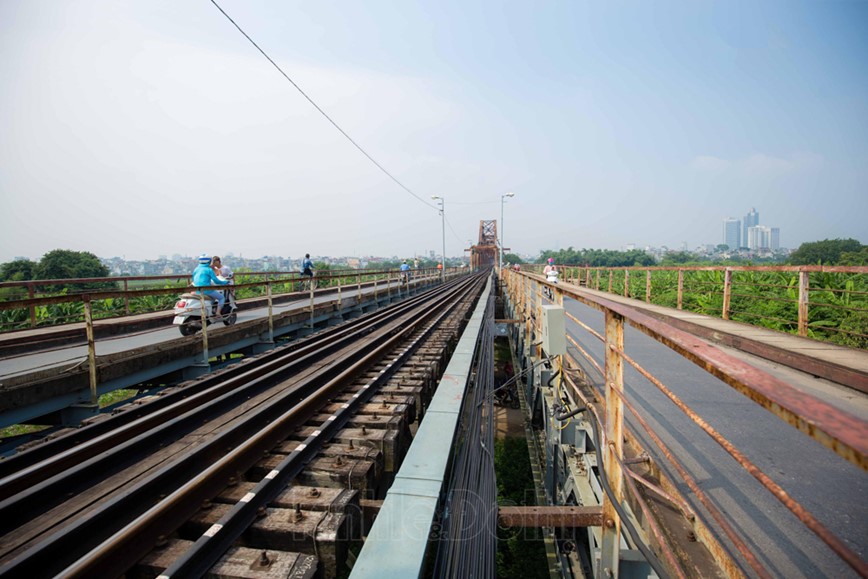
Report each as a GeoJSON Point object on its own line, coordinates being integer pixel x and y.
{"type": "Point", "coordinates": [349, 428]}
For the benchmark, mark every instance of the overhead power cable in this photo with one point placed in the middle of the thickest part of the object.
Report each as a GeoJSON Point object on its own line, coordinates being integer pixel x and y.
{"type": "Point", "coordinates": [317, 107]}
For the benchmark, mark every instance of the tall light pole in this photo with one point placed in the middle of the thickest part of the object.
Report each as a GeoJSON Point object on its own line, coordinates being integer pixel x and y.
{"type": "Point", "coordinates": [443, 215]}
{"type": "Point", "coordinates": [502, 201]}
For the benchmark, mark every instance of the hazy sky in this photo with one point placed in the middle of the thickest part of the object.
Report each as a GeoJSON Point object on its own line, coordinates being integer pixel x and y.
{"type": "Point", "coordinates": [142, 128]}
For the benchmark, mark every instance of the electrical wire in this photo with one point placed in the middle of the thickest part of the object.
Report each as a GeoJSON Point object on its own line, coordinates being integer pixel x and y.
{"type": "Point", "coordinates": [453, 232]}
{"type": "Point", "coordinates": [317, 107]}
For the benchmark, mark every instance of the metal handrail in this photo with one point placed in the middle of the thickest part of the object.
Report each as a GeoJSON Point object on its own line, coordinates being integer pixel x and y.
{"type": "Point", "coordinates": [836, 429]}
{"type": "Point", "coordinates": [354, 278]}
{"type": "Point", "coordinates": [619, 282]}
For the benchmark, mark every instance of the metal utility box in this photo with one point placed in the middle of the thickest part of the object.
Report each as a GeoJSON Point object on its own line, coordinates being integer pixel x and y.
{"type": "Point", "coordinates": [554, 334]}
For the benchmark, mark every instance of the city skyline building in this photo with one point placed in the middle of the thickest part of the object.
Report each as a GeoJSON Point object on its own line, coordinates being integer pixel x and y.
{"type": "Point", "coordinates": [732, 233]}
{"type": "Point", "coordinates": [764, 238]}
{"type": "Point", "coordinates": [750, 220]}
{"type": "Point", "coordinates": [775, 239]}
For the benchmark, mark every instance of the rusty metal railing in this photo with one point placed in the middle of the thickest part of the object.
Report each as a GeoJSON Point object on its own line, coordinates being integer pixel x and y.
{"type": "Point", "coordinates": [795, 299]}
{"type": "Point", "coordinates": [835, 429]}
{"type": "Point", "coordinates": [19, 312]}
{"type": "Point", "coordinates": [388, 280]}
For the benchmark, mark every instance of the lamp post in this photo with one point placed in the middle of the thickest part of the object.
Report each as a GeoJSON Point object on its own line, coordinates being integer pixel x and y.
{"type": "Point", "coordinates": [502, 201]}
{"type": "Point", "coordinates": [443, 215]}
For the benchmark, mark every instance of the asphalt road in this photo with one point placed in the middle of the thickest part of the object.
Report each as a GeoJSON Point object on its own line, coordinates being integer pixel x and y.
{"type": "Point", "coordinates": [832, 489]}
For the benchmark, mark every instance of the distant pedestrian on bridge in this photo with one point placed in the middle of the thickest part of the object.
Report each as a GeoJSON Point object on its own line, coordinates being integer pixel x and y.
{"type": "Point", "coordinates": [307, 268]}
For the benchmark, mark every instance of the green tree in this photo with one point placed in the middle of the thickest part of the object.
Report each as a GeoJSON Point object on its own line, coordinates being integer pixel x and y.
{"type": "Point", "coordinates": [512, 258]}
{"type": "Point", "coordinates": [67, 264]}
{"type": "Point", "coordinates": [678, 257]}
{"type": "Point", "coordinates": [826, 252]}
{"type": "Point", "coordinates": [598, 257]}
{"type": "Point", "coordinates": [854, 257]}
{"type": "Point", "coordinates": [18, 270]}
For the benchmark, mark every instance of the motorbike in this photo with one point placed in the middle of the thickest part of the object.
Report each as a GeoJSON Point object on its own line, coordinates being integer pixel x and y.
{"type": "Point", "coordinates": [552, 276]}
{"type": "Point", "coordinates": [188, 311]}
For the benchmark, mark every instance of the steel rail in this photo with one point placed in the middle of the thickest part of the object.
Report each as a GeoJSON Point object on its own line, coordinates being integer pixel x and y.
{"type": "Point", "coordinates": [40, 487]}
{"type": "Point", "coordinates": [205, 552]}
{"type": "Point", "coordinates": [55, 455]}
{"type": "Point", "coordinates": [84, 533]}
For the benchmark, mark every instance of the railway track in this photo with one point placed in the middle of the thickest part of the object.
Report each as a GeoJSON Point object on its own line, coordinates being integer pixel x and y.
{"type": "Point", "coordinates": [264, 468]}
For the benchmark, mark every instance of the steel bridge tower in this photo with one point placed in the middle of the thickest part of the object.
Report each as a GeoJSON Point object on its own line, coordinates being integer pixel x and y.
{"type": "Point", "coordinates": [484, 254]}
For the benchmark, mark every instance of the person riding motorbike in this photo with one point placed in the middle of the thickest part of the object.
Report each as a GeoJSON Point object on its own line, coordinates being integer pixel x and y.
{"type": "Point", "coordinates": [203, 275]}
{"type": "Point", "coordinates": [224, 272]}
{"type": "Point", "coordinates": [551, 271]}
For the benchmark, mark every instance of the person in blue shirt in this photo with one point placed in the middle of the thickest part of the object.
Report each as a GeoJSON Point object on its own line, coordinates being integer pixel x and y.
{"type": "Point", "coordinates": [203, 275]}
{"type": "Point", "coordinates": [405, 271]}
{"type": "Point", "coordinates": [307, 266]}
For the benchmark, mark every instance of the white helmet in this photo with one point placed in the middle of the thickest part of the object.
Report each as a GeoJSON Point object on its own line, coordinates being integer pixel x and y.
{"type": "Point", "coordinates": [204, 258]}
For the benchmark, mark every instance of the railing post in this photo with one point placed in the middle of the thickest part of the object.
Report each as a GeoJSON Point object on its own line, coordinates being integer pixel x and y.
{"type": "Point", "coordinates": [270, 311]}
{"type": "Point", "coordinates": [647, 286]}
{"type": "Point", "coordinates": [611, 273]}
{"type": "Point", "coordinates": [626, 283]}
{"type": "Point", "coordinates": [311, 303]}
{"type": "Point", "coordinates": [727, 291]}
{"type": "Point", "coordinates": [91, 349]}
{"type": "Point", "coordinates": [126, 298]}
{"type": "Point", "coordinates": [597, 285]}
{"type": "Point", "coordinates": [804, 284]}
{"type": "Point", "coordinates": [680, 287]}
{"type": "Point", "coordinates": [609, 554]}
{"type": "Point", "coordinates": [376, 298]}
{"type": "Point", "coordinates": [31, 293]}
{"type": "Point", "coordinates": [340, 303]}
{"type": "Point", "coordinates": [204, 316]}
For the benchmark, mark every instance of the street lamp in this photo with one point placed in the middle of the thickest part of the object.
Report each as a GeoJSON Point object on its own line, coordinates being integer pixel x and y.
{"type": "Point", "coordinates": [502, 201]}
{"type": "Point", "coordinates": [443, 215]}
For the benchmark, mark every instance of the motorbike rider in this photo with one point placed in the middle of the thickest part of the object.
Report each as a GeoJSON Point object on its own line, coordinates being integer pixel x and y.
{"type": "Point", "coordinates": [550, 269]}
{"type": "Point", "coordinates": [223, 271]}
{"type": "Point", "coordinates": [405, 271]}
{"type": "Point", "coordinates": [204, 275]}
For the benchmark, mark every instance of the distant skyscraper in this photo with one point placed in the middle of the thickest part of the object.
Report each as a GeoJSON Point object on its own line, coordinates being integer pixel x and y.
{"type": "Point", "coordinates": [750, 220]}
{"type": "Point", "coordinates": [762, 237]}
{"type": "Point", "coordinates": [732, 232]}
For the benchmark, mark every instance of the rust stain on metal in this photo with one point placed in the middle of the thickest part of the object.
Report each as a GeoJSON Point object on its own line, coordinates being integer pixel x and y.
{"type": "Point", "coordinates": [561, 517]}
